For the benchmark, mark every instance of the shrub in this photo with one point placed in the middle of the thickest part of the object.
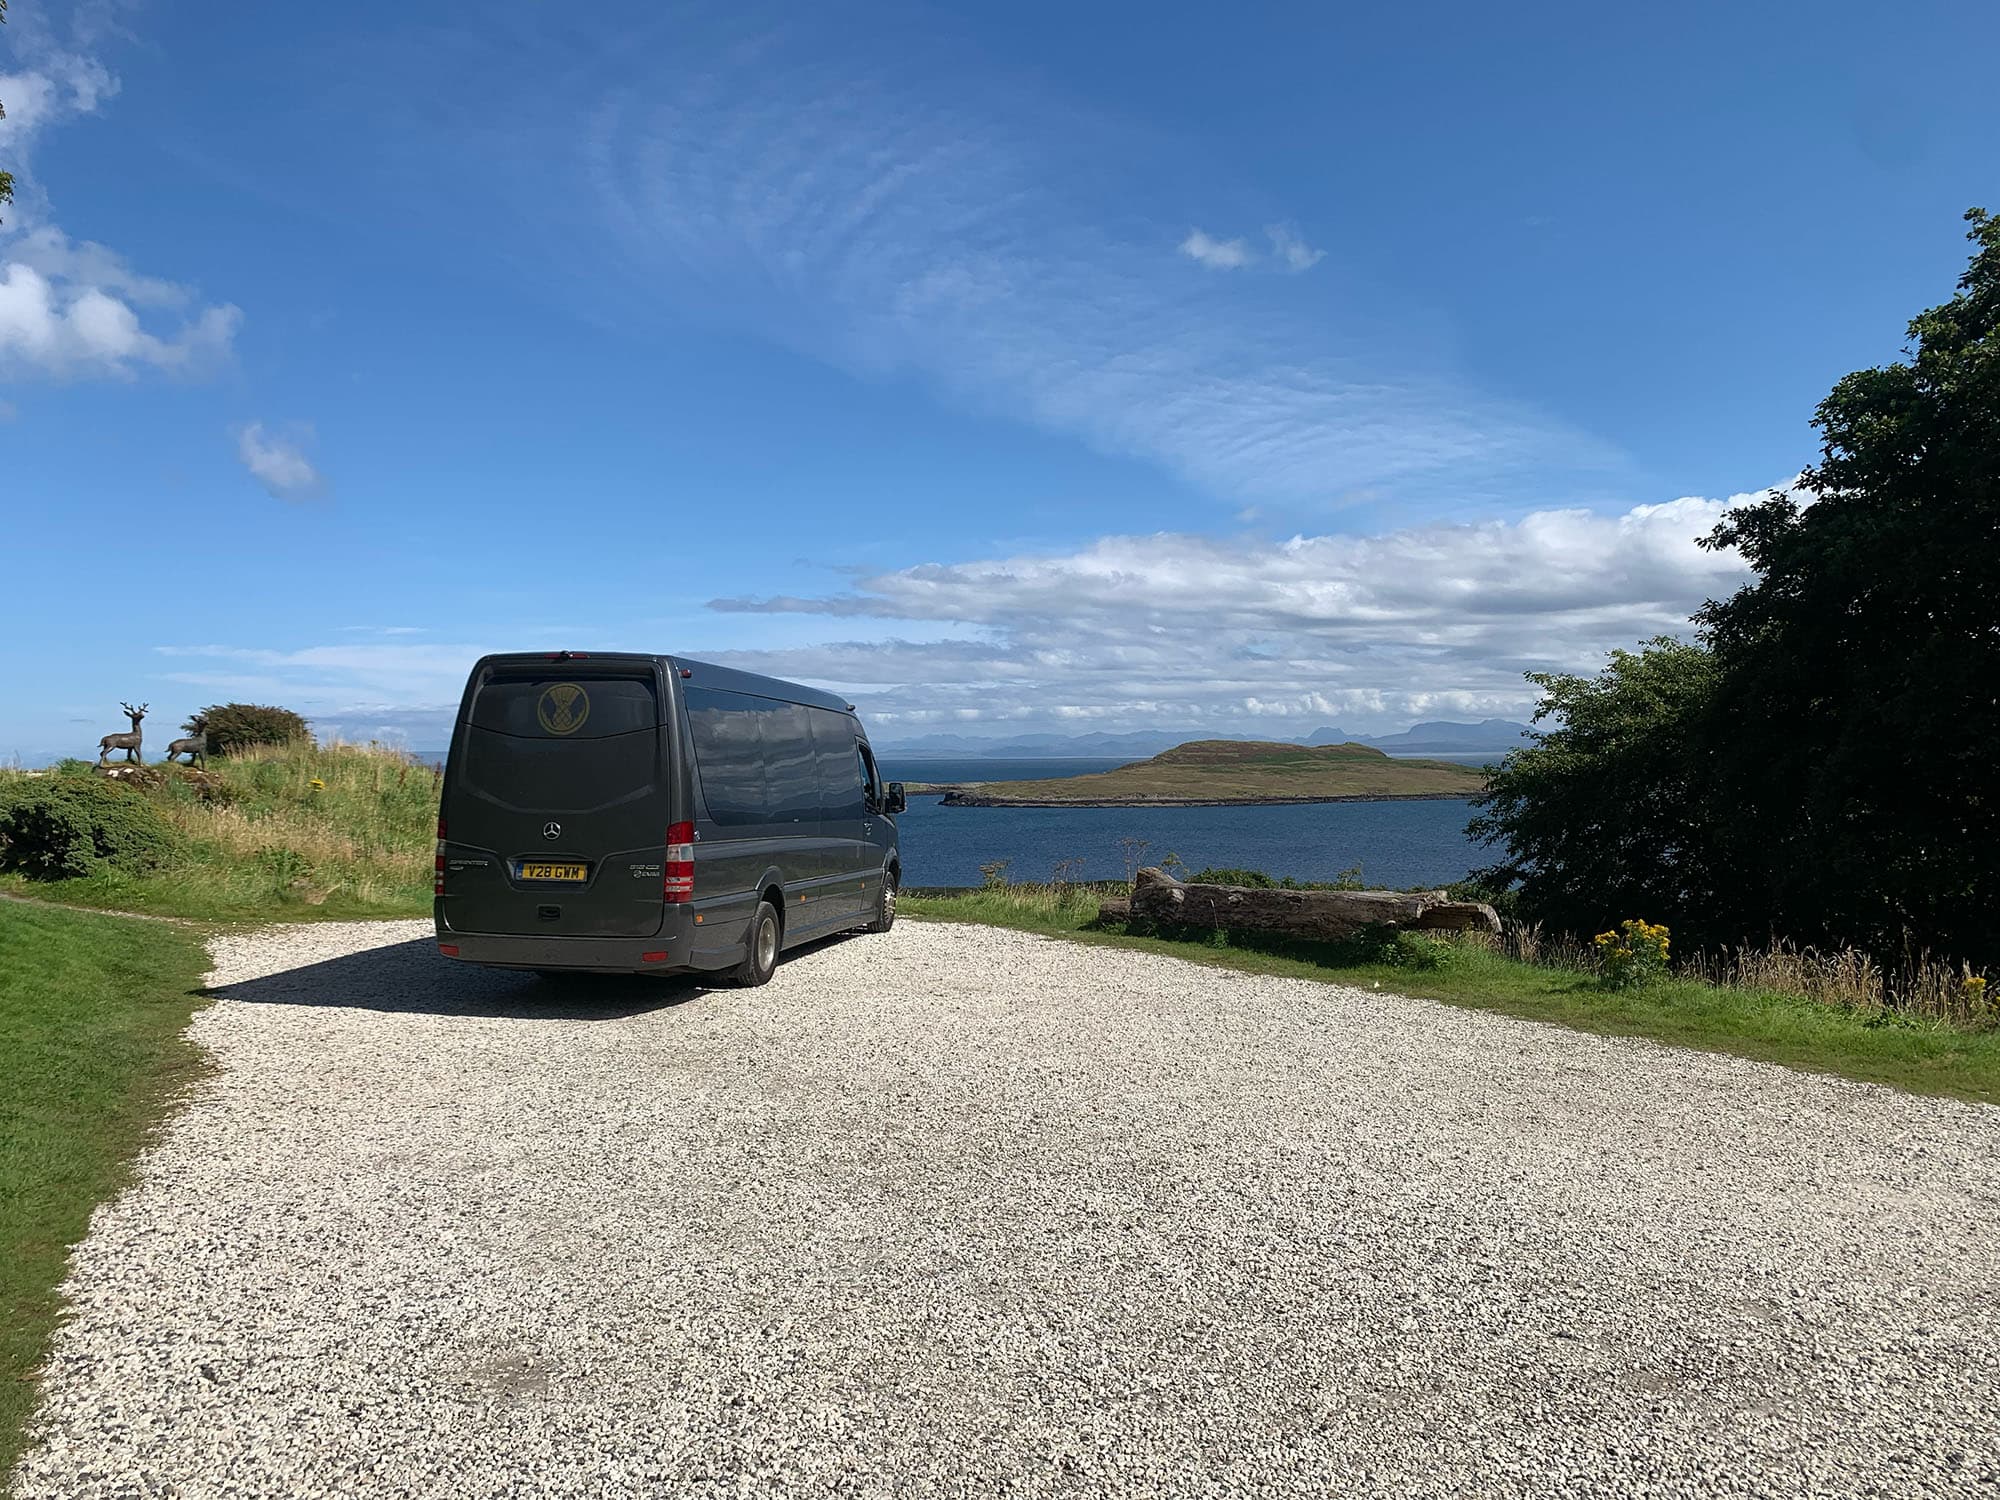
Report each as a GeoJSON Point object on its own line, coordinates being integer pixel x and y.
{"type": "Point", "coordinates": [1632, 953]}
{"type": "Point", "coordinates": [55, 827]}
{"type": "Point", "coordinates": [1256, 879]}
{"type": "Point", "coordinates": [237, 726]}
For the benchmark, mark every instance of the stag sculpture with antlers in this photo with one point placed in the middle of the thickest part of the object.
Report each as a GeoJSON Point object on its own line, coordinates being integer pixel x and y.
{"type": "Point", "coordinates": [129, 743]}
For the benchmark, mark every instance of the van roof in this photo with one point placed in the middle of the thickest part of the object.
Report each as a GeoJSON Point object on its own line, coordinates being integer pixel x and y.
{"type": "Point", "coordinates": [727, 679]}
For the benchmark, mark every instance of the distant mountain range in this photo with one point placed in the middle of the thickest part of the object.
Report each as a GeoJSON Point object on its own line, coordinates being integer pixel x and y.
{"type": "Point", "coordinates": [1437, 737]}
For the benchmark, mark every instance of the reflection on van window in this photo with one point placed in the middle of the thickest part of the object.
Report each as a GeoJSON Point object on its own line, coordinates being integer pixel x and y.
{"type": "Point", "coordinates": [839, 767]}
{"type": "Point", "coordinates": [729, 753]}
{"type": "Point", "coordinates": [788, 761]}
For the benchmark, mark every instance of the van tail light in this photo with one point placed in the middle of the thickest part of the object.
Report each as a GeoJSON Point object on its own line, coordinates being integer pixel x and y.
{"type": "Point", "coordinates": [437, 864]}
{"type": "Point", "coordinates": [680, 863]}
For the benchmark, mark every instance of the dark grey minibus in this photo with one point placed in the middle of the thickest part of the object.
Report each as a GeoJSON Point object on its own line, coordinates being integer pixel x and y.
{"type": "Point", "coordinates": [650, 814]}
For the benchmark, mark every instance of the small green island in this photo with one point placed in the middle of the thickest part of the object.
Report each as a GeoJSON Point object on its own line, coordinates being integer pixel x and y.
{"type": "Point", "coordinates": [1225, 773]}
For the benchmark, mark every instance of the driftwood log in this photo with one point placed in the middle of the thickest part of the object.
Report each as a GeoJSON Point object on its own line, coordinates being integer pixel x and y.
{"type": "Point", "coordinates": [1158, 897]}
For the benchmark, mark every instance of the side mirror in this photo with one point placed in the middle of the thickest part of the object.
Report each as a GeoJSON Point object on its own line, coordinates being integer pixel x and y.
{"type": "Point", "coordinates": [893, 800]}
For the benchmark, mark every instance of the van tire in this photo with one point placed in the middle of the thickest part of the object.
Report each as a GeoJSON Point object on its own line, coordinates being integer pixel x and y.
{"type": "Point", "coordinates": [885, 904]}
{"type": "Point", "coordinates": [760, 948]}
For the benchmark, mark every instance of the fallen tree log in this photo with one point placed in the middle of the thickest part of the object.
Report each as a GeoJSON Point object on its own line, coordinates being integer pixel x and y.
{"type": "Point", "coordinates": [1158, 897]}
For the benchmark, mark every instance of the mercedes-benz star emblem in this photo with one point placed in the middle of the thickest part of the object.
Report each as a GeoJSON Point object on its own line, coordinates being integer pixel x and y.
{"type": "Point", "coordinates": [552, 830]}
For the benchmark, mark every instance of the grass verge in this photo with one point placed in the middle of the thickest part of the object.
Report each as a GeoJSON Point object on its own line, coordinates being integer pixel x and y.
{"type": "Point", "coordinates": [1767, 1026]}
{"type": "Point", "coordinates": [91, 1054]}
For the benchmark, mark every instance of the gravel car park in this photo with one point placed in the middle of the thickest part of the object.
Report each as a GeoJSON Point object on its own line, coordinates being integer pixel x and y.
{"type": "Point", "coordinates": [958, 1211]}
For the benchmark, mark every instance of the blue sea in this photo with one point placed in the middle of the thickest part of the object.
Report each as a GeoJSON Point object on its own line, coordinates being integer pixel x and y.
{"type": "Point", "coordinates": [1396, 843]}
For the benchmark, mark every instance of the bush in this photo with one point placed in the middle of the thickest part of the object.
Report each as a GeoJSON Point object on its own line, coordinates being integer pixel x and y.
{"type": "Point", "coordinates": [1419, 951]}
{"type": "Point", "coordinates": [55, 827]}
{"type": "Point", "coordinates": [237, 726]}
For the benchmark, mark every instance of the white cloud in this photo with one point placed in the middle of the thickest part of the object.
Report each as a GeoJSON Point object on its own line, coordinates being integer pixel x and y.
{"type": "Point", "coordinates": [1217, 255]}
{"type": "Point", "coordinates": [1171, 631]}
{"type": "Point", "coordinates": [279, 463]}
{"type": "Point", "coordinates": [1290, 247]}
{"type": "Point", "coordinates": [60, 86]}
{"type": "Point", "coordinates": [73, 309]}
{"type": "Point", "coordinates": [64, 327]}
{"type": "Point", "coordinates": [1192, 631]}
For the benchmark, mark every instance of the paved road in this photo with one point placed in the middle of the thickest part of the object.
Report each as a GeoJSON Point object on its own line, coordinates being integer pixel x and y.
{"type": "Point", "coordinates": [962, 1212]}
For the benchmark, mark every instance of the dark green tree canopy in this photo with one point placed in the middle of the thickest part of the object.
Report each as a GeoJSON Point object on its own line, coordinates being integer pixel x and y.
{"type": "Point", "coordinates": [236, 726]}
{"type": "Point", "coordinates": [1861, 670]}
{"type": "Point", "coordinates": [1605, 817]}
{"type": "Point", "coordinates": [1830, 746]}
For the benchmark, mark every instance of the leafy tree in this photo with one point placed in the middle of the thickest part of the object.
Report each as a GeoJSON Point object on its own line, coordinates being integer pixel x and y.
{"type": "Point", "coordinates": [1604, 816]}
{"type": "Point", "coordinates": [1821, 767]}
{"type": "Point", "coordinates": [1860, 674]}
{"type": "Point", "coordinates": [6, 178]}
{"type": "Point", "coordinates": [236, 726]}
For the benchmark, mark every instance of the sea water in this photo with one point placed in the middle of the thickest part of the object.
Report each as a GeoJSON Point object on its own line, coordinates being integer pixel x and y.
{"type": "Point", "coordinates": [1395, 842]}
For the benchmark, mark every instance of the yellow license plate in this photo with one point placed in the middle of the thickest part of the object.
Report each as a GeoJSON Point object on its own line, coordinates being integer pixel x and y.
{"type": "Point", "coordinates": [542, 869]}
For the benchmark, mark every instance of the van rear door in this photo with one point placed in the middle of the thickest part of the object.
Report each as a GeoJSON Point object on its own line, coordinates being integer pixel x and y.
{"type": "Point", "coordinates": [556, 802]}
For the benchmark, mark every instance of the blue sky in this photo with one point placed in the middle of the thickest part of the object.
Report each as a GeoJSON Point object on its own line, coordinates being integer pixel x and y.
{"type": "Point", "coordinates": [1035, 367]}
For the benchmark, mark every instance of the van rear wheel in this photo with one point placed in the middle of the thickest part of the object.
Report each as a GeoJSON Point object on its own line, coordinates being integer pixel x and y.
{"type": "Point", "coordinates": [760, 948]}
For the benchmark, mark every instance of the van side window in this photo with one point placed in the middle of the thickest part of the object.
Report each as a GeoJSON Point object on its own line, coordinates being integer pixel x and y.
{"type": "Point", "coordinates": [789, 767]}
{"type": "Point", "coordinates": [841, 796]}
{"type": "Point", "coordinates": [729, 754]}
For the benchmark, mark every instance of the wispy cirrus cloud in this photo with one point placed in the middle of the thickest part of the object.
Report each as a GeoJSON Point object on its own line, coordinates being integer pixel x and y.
{"type": "Point", "coordinates": [910, 213]}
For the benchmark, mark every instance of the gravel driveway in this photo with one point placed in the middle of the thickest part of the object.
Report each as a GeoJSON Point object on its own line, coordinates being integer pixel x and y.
{"type": "Point", "coordinates": [956, 1211]}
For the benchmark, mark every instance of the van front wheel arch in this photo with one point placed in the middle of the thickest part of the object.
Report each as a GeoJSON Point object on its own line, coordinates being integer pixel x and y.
{"type": "Point", "coordinates": [885, 903]}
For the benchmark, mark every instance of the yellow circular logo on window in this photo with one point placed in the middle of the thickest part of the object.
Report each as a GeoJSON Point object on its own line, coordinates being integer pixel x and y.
{"type": "Point", "coordinates": [563, 708]}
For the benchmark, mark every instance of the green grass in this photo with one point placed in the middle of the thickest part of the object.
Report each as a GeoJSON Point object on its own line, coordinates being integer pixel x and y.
{"type": "Point", "coordinates": [1920, 1057]}
{"type": "Point", "coordinates": [91, 1011]}
{"type": "Point", "coordinates": [1222, 769]}
{"type": "Point", "coordinates": [265, 843]}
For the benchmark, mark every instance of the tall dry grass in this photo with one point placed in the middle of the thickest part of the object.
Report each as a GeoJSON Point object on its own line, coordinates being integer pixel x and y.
{"type": "Point", "coordinates": [1925, 987]}
{"type": "Point", "coordinates": [342, 822]}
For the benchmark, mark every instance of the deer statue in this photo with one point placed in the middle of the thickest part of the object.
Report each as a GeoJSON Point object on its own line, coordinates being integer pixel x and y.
{"type": "Point", "coordinates": [195, 748]}
{"type": "Point", "coordinates": [129, 743]}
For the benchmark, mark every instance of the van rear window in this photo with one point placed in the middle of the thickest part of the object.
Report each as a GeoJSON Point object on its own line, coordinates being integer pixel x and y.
{"type": "Point", "coordinates": [549, 744]}
{"type": "Point", "coordinates": [565, 708]}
